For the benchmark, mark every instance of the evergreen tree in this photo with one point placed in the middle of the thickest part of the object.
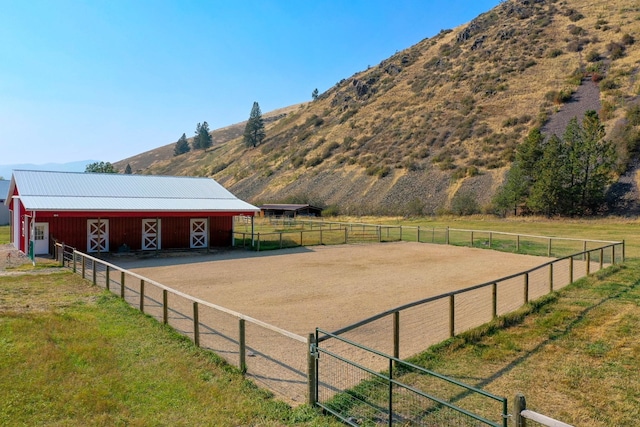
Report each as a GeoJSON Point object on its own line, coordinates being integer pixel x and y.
{"type": "Point", "coordinates": [254, 132]}
{"type": "Point", "coordinates": [202, 139]}
{"type": "Point", "coordinates": [182, 146]}
{"type": "Point", "coordinates": [127, 170]}
{"type": "Point", "coordinates": [100, 167]}
{"type": "Point", "coordinates": [547, 191]}
{"type": "Point", "coordinates": [314, 94]}
{"type": "Point", "coordinates": [514, 191]}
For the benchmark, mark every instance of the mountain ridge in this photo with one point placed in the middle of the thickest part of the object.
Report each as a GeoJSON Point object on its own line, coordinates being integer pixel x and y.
{"type": "Point", "coordinates": [441, 118]}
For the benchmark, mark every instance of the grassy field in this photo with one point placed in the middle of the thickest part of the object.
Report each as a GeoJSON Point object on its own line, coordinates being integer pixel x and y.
{"type": "Point", "coordinates": [71, 355]}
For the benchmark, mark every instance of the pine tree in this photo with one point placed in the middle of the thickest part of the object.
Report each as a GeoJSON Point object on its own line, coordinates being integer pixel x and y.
{"type": "Point", "coordinates": [182, 146]}
{"type": "Point", "coordinates": [202, 139]}
{"type": "Point", "coordinates": [254, 132]}
{"type": "Point", "coordinates": [314, 94]}
{"type": "Point", "coordinates": [127, 170]}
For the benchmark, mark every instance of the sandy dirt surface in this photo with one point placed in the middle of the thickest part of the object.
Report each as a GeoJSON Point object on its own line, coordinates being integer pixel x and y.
{"type": "Point", "coordinates": [328, 286]}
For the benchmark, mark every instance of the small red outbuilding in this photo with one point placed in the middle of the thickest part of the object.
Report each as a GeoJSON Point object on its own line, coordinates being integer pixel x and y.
{"type": "Point", "coordinates": [96, 212]}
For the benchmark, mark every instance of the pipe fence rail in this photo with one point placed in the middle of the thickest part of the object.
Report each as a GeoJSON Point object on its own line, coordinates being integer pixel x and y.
{"type": "Point", "coordinates": [284, 362]}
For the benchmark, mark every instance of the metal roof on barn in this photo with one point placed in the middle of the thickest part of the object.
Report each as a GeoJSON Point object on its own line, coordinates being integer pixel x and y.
{"type": "Point", "coordinates": [73, 191]}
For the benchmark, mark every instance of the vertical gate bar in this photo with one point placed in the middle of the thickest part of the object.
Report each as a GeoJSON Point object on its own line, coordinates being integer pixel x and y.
{"type": "Point", "coordinates": [75, 264]}
{"type": "Point", "coordinates": [494, 298]}
{"type": "Point", "coordinates": [452, 309]}
{"type": "Point", "coordinates": [142, 295]}
{"type": "Point", "coordinates": [396, 334]}
{"type": "Point", "coordinates": [165, 306]}
{"type": "Point", "coordinates": [122, 284]}
{"type": "Point", "coordinates": [390, 393]}
{"type": "Point", "coordinates": [311, 370]}
{"type": "Point", "coordinates": [243, 346]}
{"type": "Point", "coordinates": [196, 325]}
{"type": "Point", "coordinates": [84, 268]}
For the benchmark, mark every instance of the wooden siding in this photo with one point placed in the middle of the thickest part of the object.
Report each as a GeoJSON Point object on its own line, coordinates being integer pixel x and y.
{"type": "Point", "coordinates": [174, 231]}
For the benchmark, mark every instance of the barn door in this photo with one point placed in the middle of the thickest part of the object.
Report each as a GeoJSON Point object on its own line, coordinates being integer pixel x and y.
{"type": "Point", "coordinates": [198, 235]}
{"type": "Point", "coordinates": [97, 235]}
{"type": "Point", "coordinates": [41, 238]}
{"type": "Point", "coordinates": [150, 234]}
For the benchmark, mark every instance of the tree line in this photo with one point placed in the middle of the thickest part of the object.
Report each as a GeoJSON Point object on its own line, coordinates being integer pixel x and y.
{"type": "Point", "coordinates": [566, 176]}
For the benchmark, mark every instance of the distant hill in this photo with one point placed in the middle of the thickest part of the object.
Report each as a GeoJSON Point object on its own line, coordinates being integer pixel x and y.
{"type": "Point", "coordinates": [440, 118]}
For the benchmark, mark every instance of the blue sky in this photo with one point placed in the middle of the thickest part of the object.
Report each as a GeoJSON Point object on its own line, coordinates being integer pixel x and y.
{"type": "Point", "coordinates": [108, 79]}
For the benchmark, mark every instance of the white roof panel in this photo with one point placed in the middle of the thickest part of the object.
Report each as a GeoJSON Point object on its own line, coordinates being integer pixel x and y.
{"type": "Point", "coordinates": [69, 191]}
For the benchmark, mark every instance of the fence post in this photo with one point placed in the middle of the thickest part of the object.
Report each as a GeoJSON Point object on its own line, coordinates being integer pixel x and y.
{"type": "Point", "coordinates": [518, 243]}
{"type": "Point", "coordinates": [380, 234]}
{"type": "Point", "coordinates": [588, 263]}
{"type": "Point", "coordinates": [526, 288]}
{"type": "Point", "coordinates": [281, 240]}
{"type": "Point", "coordinates": [446, 236]}
{"type": "Point", "coordinates": [258, 243]}
{"type": "Point", "coordinates": [311, 369]}
{"type": "Point", "coordinates": [550, 277]}
{"type": "Point", "coordinates": [494, 298]}
{"type": "Point", "coordinates": [122, 284]}
{"type": "Point", "coordinates": [519, 405]}
{"type": "Point", "coordinates": [396, 334]}
{"type": "Point", "coordinates": [601, 257]}
{"type": "Point", "coordinates": [613, 255]}
{"type": "Point", "coordinates": [75, 266]}
{"type": "Point", "coordinates": [418, 240]}
{"type": "Point", "coordinates": [141, 295]}
{"type": "Point", "coordinates": [345, 235]}
{"type": "Point", "coordinates": [490, 239]}
{"type": "Point", "coordinates": [107, 284]}
{"type": "Point", "coordinates": [84, 268]}
{"type": "Point", "coordinates": [571, 269]}
{"type": "Point", "coordinates": [549, 248]}
{"type": "Point", "coordinates": [62, 256]}
{"type": "Point", "coordinates": [452, 315]}
{"type": "Point", "coordinates": [165, 306]}
{"type": "Point", "coordinates": [623, 251]}
{"type": "Point", "coordinates": [321, 236]}
{"type": "Point", "coordinates": [94, 273]}
{"type": "Point", "coordinates": [584, 250]}
{"type": "Point", "coordinates": [196, 325]}
{"type": "Point", "coordinates": [243, 346]}
{"type": "Point", "coordinates": [401, 233]}
{"type": "Point", "coordinates": [301, 238]}
{"type": "Point", "coordinates": [471, 238]}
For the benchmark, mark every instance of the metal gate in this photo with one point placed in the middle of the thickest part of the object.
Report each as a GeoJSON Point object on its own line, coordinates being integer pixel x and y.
{"type": "Point", "coordinates": [362, 386]}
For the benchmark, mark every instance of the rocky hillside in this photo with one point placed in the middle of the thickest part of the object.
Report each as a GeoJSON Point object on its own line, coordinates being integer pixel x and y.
{"type": "Point", "coordinates": [442, 118]}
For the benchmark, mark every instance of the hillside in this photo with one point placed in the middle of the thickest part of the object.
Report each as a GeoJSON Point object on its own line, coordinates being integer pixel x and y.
{"type": "Point", "coordinates": [444, 116]}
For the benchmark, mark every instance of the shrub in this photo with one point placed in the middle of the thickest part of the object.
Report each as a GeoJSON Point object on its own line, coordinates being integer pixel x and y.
{"type": "Point", "coordinates": [616, 50]}
{"type": "Point", "coordinates": [465, 203]}
{"type": "Point", "coordinates": [313, 161]}
{"type": "Point", "coordinates": [332, 210]}
{"type": "Point", "coordinates": [633, 115]}
{"type": "Point", "coordinates": [592, 56]}
{"type": "Point", "coordinates": [627, 39]}
{"type": "Point", "coordinates": [554, 53]}
{"type": "Point", "coordinates": [558, 97]}
{"type": "Point", "coordinates": [608, 84]}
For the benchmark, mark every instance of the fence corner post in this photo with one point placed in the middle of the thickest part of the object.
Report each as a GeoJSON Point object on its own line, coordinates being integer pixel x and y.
{"type": "Point", "coordinates": [519, 405]}
{"type": "Point", "coordinates": [311, 369]}
{"type": "Point", "coordinates": [243, 346]}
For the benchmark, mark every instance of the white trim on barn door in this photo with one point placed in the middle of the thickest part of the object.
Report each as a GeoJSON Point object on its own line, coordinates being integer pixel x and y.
{"type": "Point", "coordinates": [97, 235]}
{"type": "Point", "coordinates": [151, 239]}
{"type": "Point", "coordinates": [198, 233]}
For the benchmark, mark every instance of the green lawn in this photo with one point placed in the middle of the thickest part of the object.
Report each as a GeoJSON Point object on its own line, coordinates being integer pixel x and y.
{"type": "Point", "coordinates": [73, 355]}
{"type": "Point", "coordinates": [4, 234]}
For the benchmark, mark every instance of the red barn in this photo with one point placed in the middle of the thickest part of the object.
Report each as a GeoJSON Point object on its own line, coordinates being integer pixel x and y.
{"type": "Point", "coordinates": [97, 212]}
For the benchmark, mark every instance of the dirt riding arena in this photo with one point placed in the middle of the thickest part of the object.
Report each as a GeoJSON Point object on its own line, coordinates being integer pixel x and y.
{"type": "Point", "coordinates": [329, 286]}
